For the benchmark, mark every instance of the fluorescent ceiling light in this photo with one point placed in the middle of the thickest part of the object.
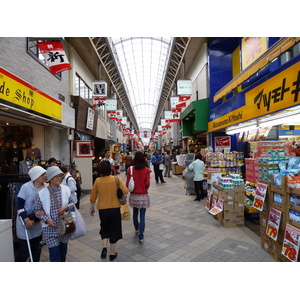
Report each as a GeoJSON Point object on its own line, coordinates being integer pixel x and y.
{"type": "Point", "coordinates": [279, 121]}
{"type": "Point", "coordinates": [241, 129]}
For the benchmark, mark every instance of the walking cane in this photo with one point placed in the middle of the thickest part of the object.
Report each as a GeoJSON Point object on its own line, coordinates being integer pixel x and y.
{"type": "Point", "coordinates": [27, 238]}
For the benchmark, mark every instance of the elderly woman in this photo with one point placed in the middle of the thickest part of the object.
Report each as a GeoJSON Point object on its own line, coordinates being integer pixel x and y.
{"type": "Point", "coordinates": [108, 204]}
{"type": "Point", "coordinates": [26, 200]}
{"type": "Point", "coordinates": [51, 214]}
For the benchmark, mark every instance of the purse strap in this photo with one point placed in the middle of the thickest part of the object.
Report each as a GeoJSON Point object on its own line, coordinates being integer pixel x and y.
{"type": "Point", "coordinates": [131, 171]}
{"type": "Point", "coordinates": [117, 181]}
{"type": "Point", "coordinates": [53, 196]}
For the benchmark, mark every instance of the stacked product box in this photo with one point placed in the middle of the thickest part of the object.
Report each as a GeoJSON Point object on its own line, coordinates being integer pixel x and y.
{"type": "Point", "coordinates": [233, 207]}
{"type": "Point", "coordinates": [251, 169]}
{"type": "Point", "coordinates": [277, 198]}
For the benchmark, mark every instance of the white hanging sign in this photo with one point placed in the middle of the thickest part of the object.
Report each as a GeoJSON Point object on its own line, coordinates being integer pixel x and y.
{"type": "Point", "coordinates": [184, 87]}
{"type": "Point", "coordinates": [111, 105]}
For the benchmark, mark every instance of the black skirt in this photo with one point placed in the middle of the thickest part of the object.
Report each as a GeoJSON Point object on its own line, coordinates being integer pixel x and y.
{"type": "Point", "coordinates": [110, 224]}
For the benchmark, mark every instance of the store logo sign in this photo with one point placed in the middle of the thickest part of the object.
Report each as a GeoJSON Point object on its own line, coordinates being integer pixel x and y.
{"type": "Point", "coordinates": [17, 93]}
{"type": "Point", "coordinates": [265, 99]}
{"type": "Point", "coordinates": [279, 92]}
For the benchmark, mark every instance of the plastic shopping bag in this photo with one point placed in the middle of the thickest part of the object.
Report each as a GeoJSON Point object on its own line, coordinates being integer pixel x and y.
{"type": "Point", "coordinates": [125, 213]}
{"type": "Point", "coordinates": [80, 226]}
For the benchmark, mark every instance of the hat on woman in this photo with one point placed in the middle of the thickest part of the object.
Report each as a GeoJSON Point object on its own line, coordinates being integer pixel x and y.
{"type": "Point", "coordinates": [52, 172]}
{"type": "Point", "coordinates": [35, 172]}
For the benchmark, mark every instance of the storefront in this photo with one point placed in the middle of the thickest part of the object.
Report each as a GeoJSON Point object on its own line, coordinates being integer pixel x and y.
{"type": "Point", "coordinates": [262, 118]}
{"type": "Point", "coordinates": [33, 128]}
{"type": "Point", "coordinates": [194, 125]}
{"type": "Point", "coordinates": [86, 120]}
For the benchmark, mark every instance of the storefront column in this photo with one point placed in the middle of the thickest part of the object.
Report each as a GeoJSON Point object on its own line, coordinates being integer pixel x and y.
{"type": "Point", "coordinates": [175, 134]}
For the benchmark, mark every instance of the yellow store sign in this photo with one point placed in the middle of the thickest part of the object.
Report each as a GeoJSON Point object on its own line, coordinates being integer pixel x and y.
{"type": "Point", "coordinates": [19, 94]}
{"type": "Point", "coordinates": [279, 92]}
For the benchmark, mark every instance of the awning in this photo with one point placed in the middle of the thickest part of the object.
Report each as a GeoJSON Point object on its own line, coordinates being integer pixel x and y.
{"type": "Point", "coordinates": [194, 118]}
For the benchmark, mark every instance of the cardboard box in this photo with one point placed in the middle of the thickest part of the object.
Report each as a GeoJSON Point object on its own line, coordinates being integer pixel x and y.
{"type": "Point", "coordinates": [266, 242]}
{"type": "Point", "coordinates": [293, 191]}
{"type": "Point", "coordinates": [293, 223]}
{"type": "Point", "coordinates": [235, 222]}
{"type": "Point", "coordinates": [281, 207]}
{"type": "Point", "coordinates": [294, 207]}
{"type": "Point", "coordinates": [219, 217]}
{"type": "Point", "coordinates": [239, 200]}
{"type": "Point", "coordinates": [229, 205]}
{"type": "Point", "coordinates": [233, 214]}
{"type": "Point", "coordinates": [176, 170]}
{"type": "Point", "coordinates": [276, 248]}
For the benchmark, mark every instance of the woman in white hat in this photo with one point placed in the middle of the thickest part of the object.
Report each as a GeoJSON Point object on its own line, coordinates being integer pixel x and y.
{"type": "Point", "coordinates": [57, 244]}
{"type": "Point", "coordinates": [26, 201]}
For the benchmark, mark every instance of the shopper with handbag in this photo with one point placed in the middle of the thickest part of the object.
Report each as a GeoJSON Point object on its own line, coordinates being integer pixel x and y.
{"type": "Point", "coordinates": [197, 167]}
{"type": "Point", "coordinates": [108, 205]}
{"type": "Point", "coordinates": [157, 161]}
{"type": "Point", "coordinates": [55, 202]}
{"type": "Point", "coordinates": [139, 198]}
{"type": "Point", "coordinates": [26, 200]}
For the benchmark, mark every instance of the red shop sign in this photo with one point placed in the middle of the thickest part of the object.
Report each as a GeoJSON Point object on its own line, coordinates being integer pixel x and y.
{"type": "Point", "coordinates": [222, 141]}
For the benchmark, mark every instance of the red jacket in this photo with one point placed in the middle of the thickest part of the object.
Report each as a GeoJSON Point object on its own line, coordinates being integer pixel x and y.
{"type": "Point", "coordinates": [141, 180]}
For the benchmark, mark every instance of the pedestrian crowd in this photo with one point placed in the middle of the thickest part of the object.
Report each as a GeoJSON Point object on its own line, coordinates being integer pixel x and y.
{"type": "Point", "coordinates": [52, 193]}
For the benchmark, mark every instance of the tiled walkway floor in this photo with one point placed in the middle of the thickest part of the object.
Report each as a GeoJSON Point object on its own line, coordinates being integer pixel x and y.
{"type": "Point", "coordinates": [178, 229]}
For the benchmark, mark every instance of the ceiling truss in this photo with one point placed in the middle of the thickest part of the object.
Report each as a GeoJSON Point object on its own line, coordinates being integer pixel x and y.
{"type": "Point", "coordinates": [106, 57]}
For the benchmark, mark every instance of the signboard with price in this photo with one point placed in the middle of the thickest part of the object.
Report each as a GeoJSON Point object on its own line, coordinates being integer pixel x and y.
{"type": "Point", "coordinates": [260, 195]}
{"type": "Point", "coordinates": [273, 223]}
{"type": "Point", "coordinates": [290, 247]}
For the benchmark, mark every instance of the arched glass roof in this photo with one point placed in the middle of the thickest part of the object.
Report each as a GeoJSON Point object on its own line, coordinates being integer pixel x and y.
{"type": "Point", "coordinates": [142, 62]}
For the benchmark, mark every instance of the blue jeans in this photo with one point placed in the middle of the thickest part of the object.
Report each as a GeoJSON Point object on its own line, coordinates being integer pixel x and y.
{"type": "Point", "coordinates": [139, 225]}
{"type": "Point", "coordinates": [58, 253]}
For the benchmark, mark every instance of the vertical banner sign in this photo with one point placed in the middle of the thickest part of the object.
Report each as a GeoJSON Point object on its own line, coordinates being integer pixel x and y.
{"type": "Point", "coordinates": [175, 115]}
{"type": "Point", "coordinates": [168, 115]}
{"type": "Point", "coordinates": [174, 101]}
{"type": "Point", "coordinates": [273, 223]}
{"type": "Point", "coordinates": [55, 56]}
{"type": "Point", "coordinates": [90, 119]}
{"type": "Point", "coordinates": [260, 195]}
{"type": "Point", "coordinates": [290, 247]}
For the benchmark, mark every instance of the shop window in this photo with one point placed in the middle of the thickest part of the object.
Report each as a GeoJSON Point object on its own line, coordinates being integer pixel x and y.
{"type": "Point", "coordinates": [33, 50]}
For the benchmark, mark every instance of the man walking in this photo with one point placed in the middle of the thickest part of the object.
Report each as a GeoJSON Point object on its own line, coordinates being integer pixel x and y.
{"type": "Point", "coordinates": [156, 160]}
{"type": "Point", "coordinates": [167, 162]}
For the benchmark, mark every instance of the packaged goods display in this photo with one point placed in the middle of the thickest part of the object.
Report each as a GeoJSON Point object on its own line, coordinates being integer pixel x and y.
{"type": "Point", "coordinates": [230, 192]}
{"type": "Point", "coordinates": [268, 158]}
{"type": "Point", "coordinates": [230, 182]}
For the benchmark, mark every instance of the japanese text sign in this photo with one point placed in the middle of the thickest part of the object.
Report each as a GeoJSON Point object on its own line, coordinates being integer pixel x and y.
{"type": "Point", "coordinates": [55, 56]}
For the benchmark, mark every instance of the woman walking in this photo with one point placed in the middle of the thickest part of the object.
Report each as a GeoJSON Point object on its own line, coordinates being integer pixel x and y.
{"type": "Point", "coordinates": [46, 204]}
{"type": "Point", "coordinates": [197, 166]}
{"type": "Point", "coordinates": [25, 209]}
{"type": "Point", "coordinates": [139, 199]}
{"type": "Point", "coordinates": [108, 204]}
